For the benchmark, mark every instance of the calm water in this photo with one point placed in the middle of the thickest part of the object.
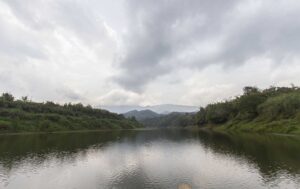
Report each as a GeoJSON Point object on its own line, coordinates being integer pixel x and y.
{"type": "Point", "coordinates": [149, 159]}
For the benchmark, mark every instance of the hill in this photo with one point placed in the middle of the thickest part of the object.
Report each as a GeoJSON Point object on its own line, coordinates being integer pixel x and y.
{"type": "Point", "coordinates": [174, 119]}
{"type": "Point", "coordinates": [149, 118]}
{"type": "Point", "coordinates": [141, 115]}
{"type": "Point", "coordinates": [276, 109]}
{"type": "Point", "coordinates": [160, 109]}
{"type": "Point", "coordinates": [23, 115]}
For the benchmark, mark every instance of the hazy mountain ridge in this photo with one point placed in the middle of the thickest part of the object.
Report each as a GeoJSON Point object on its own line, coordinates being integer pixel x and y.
{"type": "Point", "coordinates": [141, 115]}
{"type": "Point", "coordinates": [160, 109]}
{"type": "Point", "coordinates": [174, 119]}
{"type": "Point", "coordinates": [151, 119]}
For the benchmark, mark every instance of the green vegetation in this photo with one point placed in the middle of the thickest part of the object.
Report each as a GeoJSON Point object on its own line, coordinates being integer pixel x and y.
{"type": "Point", "coordinates": [24, 115]}
{"type": "Point", "coordinates": [276, 109]}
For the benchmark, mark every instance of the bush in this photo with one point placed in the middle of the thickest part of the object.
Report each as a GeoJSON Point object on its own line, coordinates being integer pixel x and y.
{"type": "Point", "coordinates": [247, 105]}
{"type": "Point", "coordinates": [282, 106]}
{"type": "Point", "coordinates": [25, 115]}
{"type": "Point", "coordinates": [219, 113]}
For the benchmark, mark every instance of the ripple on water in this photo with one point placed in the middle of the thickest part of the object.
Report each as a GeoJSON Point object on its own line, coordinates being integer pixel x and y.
{"type": "Point", "coordinates": [3, 180]}
{"type": "Point", "coordinates": [146, 161]}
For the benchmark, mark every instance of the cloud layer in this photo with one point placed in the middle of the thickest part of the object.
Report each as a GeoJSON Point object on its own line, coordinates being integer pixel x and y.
{"type": "Point", "coordinates": [196, 34]}
{"type": "Point", "coordinates": [146, 52]}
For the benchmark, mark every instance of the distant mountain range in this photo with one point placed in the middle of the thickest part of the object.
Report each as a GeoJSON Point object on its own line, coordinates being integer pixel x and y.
{"type": "Point", "coordinates": [141, 115]}
{"type": "Point", "coordinates": [151, 119]}
{"type": "Point", "coordinates": [160, 109]}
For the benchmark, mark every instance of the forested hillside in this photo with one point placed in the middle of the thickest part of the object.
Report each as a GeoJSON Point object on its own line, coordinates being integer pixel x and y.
{"type": "Point", "coordinates": [170, 120]}
{"type": "Point", "coordinates": [25, 115]}
{"type": "Point", "coordinates": [276, 109]}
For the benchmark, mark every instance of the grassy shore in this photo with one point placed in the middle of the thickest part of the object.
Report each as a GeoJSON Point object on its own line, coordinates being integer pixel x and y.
{"type": "Point", "coordinates": [284, 126]}
{"type": "Point", "coordinates": [272, 110]}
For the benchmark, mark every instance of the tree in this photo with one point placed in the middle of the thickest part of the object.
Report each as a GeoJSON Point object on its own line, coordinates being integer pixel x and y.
{"type": "Point", "coordinates": [8, 97]}
{"type": "Point", "coordinates": [247, 105]}
{"type": "Point", "coordinates": [219, 112]}
{"type": "Point", "coordinates": [250, 90]}
{"type": "Point", "coordinates": [24, 98]}
{"type": "Point", "coordinates": [201, 116]}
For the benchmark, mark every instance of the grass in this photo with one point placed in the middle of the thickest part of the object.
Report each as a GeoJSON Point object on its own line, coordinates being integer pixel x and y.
{"type": "Point", "coordinates": [284, 126]}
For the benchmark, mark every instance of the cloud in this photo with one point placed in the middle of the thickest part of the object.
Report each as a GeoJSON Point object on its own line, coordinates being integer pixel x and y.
{"type": "Point", "coordinates": [54, 50]}
{"type": "Point", "coordinates": [121, 97]}
{"type": "Point", "coordinates": [133, 52]}
{"type": "Point", "coordinates": [81, 19]}
{"type": "Point", "coordinates": [177, 34]}
{"type": "Point", "coordinates": [17, 41]}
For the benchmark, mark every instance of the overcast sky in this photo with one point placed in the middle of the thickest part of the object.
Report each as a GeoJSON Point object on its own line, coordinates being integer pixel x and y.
{"type": "Point", "coordinates": [146, 52]}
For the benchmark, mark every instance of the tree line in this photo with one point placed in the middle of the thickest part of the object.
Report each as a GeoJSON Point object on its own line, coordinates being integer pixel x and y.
{"type": "Point", "coordinates": [25, 115]}
{"type": "Point", "coordinates": [274, 108]}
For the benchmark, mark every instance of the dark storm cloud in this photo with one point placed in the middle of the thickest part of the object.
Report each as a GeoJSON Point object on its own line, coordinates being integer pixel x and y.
{"type": "Point", "coordinates": [271, 31]}
{"type": "Point", "coordinates": [159, 31]}
{"type": "Point", "coordinates": [169, 34]}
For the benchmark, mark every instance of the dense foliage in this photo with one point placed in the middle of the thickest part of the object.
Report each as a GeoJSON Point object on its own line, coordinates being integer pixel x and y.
{"type": "Point", "coordinates": [25, 115]}
{"type": "Point", "coordinates": [274, 109]}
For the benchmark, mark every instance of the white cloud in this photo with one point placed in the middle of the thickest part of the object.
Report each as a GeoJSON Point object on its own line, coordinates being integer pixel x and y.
{"type": "Point", "coordinates": [145, 52]}
{"type": "Point", "coordinates": [47, 55]}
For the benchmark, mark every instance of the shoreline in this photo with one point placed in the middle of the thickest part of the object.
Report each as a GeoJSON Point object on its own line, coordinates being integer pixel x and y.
{"type": "Point", "coordinates": [77, 131]}
{"type": "Point", "coordinates": [219, 129]}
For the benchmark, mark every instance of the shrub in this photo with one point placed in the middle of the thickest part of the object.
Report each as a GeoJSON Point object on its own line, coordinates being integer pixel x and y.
{"type": "Point", "coordinates": [282, 106]}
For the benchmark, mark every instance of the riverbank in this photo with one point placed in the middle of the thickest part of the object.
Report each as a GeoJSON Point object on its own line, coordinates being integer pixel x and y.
{"type": "Point", "coordinates": [287, 126]}
{"type": "Point", "coordinates": [27, 116]}
{"type": "Point", "coordinates": [77, 131]}
{"type": "Point", "coordinates": [271, 110]}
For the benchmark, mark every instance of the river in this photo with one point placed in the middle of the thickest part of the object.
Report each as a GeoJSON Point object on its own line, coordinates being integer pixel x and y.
{"type": "Point", "coordinates": [158, 159]}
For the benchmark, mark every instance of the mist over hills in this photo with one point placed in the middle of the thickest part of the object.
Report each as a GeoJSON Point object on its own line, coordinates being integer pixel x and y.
{"type": "Point", "coordinates": [142, 114]}
{"type": "Point", "coordinates": [149, 118]}
{"type": "Point", "coordinates": [160, 109]}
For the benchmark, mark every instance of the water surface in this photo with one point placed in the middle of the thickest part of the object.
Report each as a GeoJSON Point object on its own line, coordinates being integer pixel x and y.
{"type": "Point", "coordinates": [149, 159]}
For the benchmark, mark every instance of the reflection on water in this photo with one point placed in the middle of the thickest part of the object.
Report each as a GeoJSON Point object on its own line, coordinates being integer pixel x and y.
{"type": "Point", "coordinates": [149, 159]}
